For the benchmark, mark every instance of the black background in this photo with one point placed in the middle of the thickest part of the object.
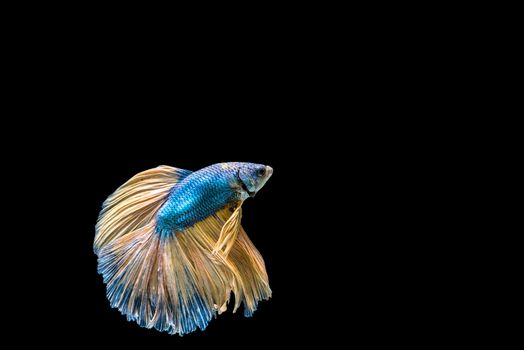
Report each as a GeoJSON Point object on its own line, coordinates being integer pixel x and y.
{"type": "Point", "coordinates": [348, 111]}
{"type": "Point", "coordinates": [323, 222]}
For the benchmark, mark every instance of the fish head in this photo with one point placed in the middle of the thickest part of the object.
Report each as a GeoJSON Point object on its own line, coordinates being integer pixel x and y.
{"type": "Point", "coordinates": [251, 177]}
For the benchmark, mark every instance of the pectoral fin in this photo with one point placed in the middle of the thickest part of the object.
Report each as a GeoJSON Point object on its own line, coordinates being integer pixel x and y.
{"type": "Point", "coordinates": [229, 233]}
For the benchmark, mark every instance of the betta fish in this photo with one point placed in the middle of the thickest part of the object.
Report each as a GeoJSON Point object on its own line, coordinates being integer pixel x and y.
{"type": "Point", "coordinates": [171, 248]}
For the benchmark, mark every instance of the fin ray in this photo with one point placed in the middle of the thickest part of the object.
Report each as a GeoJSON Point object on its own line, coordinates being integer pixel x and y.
{"type": "Point", "coordinates": [135, 203]}
{"type": "Point", "coordinates": [243, 267]}
{"type": "Point", "coordinates": [229, 232]}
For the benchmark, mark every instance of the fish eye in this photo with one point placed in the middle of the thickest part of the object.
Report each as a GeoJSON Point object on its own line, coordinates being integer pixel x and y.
{"type": "Point", "coordinates": [261, 172]}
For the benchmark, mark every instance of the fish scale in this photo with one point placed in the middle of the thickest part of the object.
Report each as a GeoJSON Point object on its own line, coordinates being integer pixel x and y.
{"type": "Point", "coordinates": [198, 196]}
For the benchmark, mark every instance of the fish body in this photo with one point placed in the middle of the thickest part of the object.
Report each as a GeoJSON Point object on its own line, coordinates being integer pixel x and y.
{"type": "Point", "coordinates": [171, 248]}
{"type": "Point", "coordinates": [207, 191]}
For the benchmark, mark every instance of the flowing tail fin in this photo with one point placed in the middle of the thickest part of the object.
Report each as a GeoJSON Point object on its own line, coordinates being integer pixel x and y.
{"type": "Point", "coordinates": [175, 283]}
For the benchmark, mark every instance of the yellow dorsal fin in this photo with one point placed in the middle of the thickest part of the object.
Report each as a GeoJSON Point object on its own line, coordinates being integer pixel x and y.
{"type": "Point", "coordinates": [135, 203]}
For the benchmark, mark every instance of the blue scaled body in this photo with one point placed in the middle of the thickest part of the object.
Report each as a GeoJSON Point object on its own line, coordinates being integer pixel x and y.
{"type": "Point", "coordinates": [198, 196]}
